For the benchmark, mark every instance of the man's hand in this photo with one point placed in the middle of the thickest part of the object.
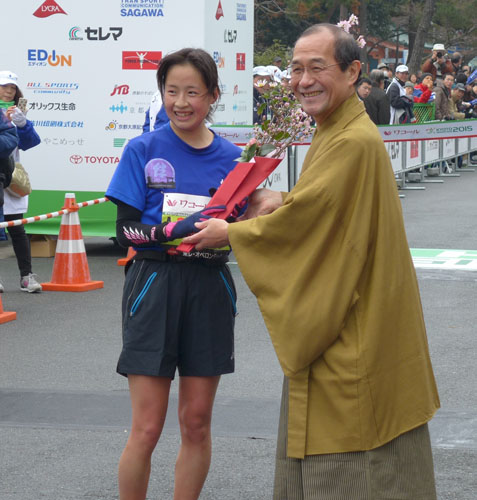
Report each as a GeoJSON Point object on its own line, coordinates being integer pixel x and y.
{"type": "Point", "coordinates": [212, 234]}
{"type": "Point", "coordinates": [181, 228]}
{"type": "Point", "coordinates": [262, 202]}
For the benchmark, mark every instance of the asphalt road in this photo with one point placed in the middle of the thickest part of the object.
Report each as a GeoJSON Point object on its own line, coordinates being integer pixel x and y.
{"type": "Point", "coordinates": [64, 413]}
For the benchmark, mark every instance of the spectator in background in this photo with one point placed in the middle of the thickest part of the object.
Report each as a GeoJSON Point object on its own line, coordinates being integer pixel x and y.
{"type": "Point", "coordinates": [377, 103]}
{"type": "Point", "coordinates": [15, 206]}
{"type": "Point", "coordinates": [438, 64]}
{"type": "Point", "coordinates": [278, 62]}
{"type": "Point", "coordinates": [156, 115]}
{"type": "Point", "coordinates": [456, 61]}
{"type": "Point", "coordinates": [387, 74]}
{"type": "Point", "coordinates": [401, 107]}
{"type": "Point", "coordinates": [8, 143]}
{"type": "Point", "coordinates": [413, 78]}
{"type": "Point", "coordinates": [261, 81]}
{"type": "Point", "coordinates": [457, 106]}
{"type": "Point", "coordinates": [423, 91]}
{"type": "Point", "coordinates": [443, 94]}
{"type": "Point", "coordinates": [363, 88]}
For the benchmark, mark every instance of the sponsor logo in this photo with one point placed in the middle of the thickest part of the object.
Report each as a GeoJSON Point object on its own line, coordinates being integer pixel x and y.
{"type": "Point", "coordinates": [220, 12]}
{"type": "Point", "coordinates": [237, 90]}
{"type": "Point", "coordinates": [62, 141]}
{"type": "Point", "coordinates": [114, 125]}
{"type": "Point", "coordinates": [119, 142]}
{"type": "Point", "coordinates": [48, 8]}
{"type": "Point", "coordinates": [240, 106]}
{"type": "Point", "coordinates": [121, 108]}
{"type": "Point", "coordinates": [52, 87]}
{"type": "Point", "coordinates": [414, 149]}
{"type": "Point", "coordinates": [153, 8]}
{"type": "Point", "coordinates": [96, 34]}
{"type": "Point", "coordinates": [102, 160]}
{"type": "Point", "coordinates": [241, 11]}
{"type": "Point", "coordinates": [219, 60]}
{"type": "Point", "coordinates": [141, 60]}
{"type": "Point", "coordinates": [230, 36]}
{"type": "Point", "coordinates": [40, 57]}
{"type": "Point", "coordinates": [53, 106]}
{"type": "Point", "coordinates": [120, 90]}
{"type": "Point", "coordinates": [240, 61]}
{"type": "Point", "coordinates": [75, 33]}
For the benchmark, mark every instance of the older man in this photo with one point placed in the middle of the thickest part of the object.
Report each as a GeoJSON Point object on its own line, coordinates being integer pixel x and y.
{"type": "Point", "coordinates": [401, 107]}
{"type": "Point", "coordinates": [443, 95]}
{"type": "Point", "coordinates": [330, 266]}
{"type": "Point", "coordinates": [377, 103]}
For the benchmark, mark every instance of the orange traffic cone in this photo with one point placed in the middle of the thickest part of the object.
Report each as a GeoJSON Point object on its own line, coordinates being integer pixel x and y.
{"type": "Point", "coordinates": [6, 316]}
{"type": "Point", "coordinates": [129, 256]}
{"type": "Point", "coordinates": [70, 269]}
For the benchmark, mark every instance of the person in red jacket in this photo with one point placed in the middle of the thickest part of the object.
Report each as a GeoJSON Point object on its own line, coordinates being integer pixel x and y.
{"type": "Point", "coordinates": [423, 91]}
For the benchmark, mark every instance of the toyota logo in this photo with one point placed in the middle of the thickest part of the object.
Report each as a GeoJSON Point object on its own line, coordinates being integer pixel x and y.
{"type": "Point", "coordinates": [76, 159]}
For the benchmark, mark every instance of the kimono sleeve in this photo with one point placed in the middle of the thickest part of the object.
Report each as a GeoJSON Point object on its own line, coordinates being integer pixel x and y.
{"type": "Point", "coordinates": [303, 262]}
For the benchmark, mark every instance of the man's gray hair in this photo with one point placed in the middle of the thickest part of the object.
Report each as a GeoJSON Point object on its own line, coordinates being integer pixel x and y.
{"type": "Point", "coordinates": [377, 76]}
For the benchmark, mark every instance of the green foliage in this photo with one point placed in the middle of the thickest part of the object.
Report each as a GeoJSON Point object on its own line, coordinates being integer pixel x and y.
{"type": "Point", "coordinates": [266, 57]}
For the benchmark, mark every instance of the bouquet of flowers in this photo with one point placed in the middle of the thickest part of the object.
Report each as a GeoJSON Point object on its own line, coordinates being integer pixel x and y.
{"type": "Point", "coordinates": [286, 125]}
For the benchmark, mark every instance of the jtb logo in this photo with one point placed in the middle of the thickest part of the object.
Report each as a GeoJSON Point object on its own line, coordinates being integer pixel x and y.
{"type": "Point", "coordinates": [48, 8]}
{"type": "Point", "coordinates": [120, 89]}
{"type": "Point", "coordinates": [40, 57]}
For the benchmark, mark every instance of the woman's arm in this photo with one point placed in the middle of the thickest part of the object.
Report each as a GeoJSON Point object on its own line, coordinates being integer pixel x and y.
{"type": "Point", "coordinates": [130, 231]}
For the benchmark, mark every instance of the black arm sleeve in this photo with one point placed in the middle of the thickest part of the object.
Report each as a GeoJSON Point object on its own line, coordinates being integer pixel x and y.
{"type": "Point", "coordinates": [130, 231]}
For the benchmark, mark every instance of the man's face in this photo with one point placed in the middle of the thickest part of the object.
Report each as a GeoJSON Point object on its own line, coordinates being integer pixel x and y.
{"type": "Point", "coordinates": [363, 90]}
{"type": "Point", "coordinates": [436, 56]}
{"type": "Point", "coordinates": [466, 70]}
{"type": "Point", "coordinates": [403, 76]}
{"type": "Point", "coordinates": [448, 81]}
{"type": "Point", "coordinates": [316, 78]}
{"type": "Point", "coordinates": [459, 94]}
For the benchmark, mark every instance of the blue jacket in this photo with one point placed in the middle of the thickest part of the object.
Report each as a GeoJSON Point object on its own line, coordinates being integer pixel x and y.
{"type": "Point", "coordinates": [161, 119]}
{"type": "Point", "coordinates": [28, 138]}
{"type": "Point", "coordinates": [8, 137]}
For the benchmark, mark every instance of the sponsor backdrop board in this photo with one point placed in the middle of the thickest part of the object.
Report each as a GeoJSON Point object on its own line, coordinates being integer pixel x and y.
{"type": "Point", "coordinates": [88, 71]}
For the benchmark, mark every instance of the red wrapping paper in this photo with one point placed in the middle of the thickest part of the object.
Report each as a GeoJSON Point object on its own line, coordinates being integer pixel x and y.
{"type": "Point", "coordinates": [240, 183]}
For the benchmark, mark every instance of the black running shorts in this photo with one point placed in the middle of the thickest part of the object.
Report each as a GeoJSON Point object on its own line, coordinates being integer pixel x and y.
{"type": "Point", "coordinates": [178, 315]}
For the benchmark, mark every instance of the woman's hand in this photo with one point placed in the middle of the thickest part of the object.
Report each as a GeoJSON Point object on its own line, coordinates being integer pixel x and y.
{"type": "Point", "coordinates": [212, 234]}
{"type": "Point", "coordinates": [16, 116]}
{"type": "Point", "coordinates": [262, 202]}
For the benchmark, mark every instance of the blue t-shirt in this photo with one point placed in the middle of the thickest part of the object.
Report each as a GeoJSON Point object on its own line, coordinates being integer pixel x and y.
{"type": "Point", "coordinates": [159, 161]}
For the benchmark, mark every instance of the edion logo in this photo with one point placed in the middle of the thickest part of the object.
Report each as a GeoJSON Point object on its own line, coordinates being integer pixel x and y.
{"type": "Point", "coordinates": [48, 8]}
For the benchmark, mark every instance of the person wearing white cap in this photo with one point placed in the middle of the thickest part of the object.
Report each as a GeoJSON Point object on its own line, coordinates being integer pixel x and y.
{"type": "Point", "coordinates": [401, 106]}
{"type": "Point", "coordinates": [261, 81]}
{"type": "Point", "coordinates": [438, 65]}
{"type": "Point", "coordinates": [15, 206]}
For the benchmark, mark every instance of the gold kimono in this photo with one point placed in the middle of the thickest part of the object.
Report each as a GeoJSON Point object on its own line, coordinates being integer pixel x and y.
{"type": "Point", "coordinates": [335, 282]}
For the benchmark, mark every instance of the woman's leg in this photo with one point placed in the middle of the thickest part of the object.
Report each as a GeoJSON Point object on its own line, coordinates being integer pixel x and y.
{"type": "Point", "coordinates": [21, 245]}
{"type": "Point", "coordinates": [196, 399]}
{"type": "Point", "coordinates": [149, 399]}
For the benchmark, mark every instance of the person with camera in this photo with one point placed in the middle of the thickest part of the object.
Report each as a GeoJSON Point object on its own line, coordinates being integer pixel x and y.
{"type": "Point", "coordinates": [438, 65]}
{"type": "Point", "coordinates": [15, 205]}
{"type": "Point", "coordinates": [8, 143]}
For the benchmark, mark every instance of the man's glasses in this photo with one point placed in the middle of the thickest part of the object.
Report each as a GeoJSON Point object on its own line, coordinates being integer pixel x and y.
{"type": "Point", "coordinates": [314, 70]}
